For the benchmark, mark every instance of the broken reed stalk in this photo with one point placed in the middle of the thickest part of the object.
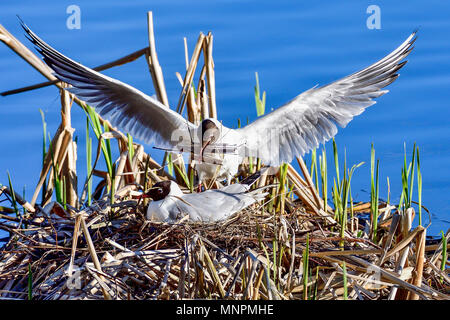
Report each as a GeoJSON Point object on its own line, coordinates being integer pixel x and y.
{"type": "Point", "coordinates": [69, 166]}
{"type": "Point", "coordinates": [154, 66]}
{"type": "Point", "coordinates": [189, 76]}
{"type": "Point", "coordinates": [209, 63]}
{"type": "Point", "coordinates": [420, 260]}
{"type": "Point", "coordinates": [160, 89]}
{"type": "Point", "coordinates": [93, 254]}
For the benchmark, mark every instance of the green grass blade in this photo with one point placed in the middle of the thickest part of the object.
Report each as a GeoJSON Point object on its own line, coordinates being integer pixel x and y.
{"type": "Point", "coordinates": [260, 102]}
{"type": "Point", "coordinates": [306, 268]}
{"type": "Point", "coordinates": [13, 196]}
{"type": "Point", "coordinates": [30, 283]}
{"type": "Point", "coordinates": [336, 161]}
{"type": "Point", "coordinates": [344, 273]}
{"type": "Point", "coordinates": [88, 163]}
{"type": "Point", "coordinates": [444, 251]}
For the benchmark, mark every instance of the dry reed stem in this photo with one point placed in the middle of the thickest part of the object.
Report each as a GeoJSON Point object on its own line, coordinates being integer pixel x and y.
{"type": "Point", "coordinates": [420, 259]}
{"type": "Point", "coordinates": [155, 68]}
{"type": "Point", "coordinates": [189, 76]}
{"type": "Point", "coordinates": [93, 254]}
{"type": "Point", "coordinates": [209, 63]}
{"type": "Point", "coordinates": [310, 183]}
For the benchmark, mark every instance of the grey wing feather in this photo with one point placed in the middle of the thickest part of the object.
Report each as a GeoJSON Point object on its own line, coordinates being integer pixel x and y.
{"type": "Point", "coordinates": [125, 107]}
{"type": "Point", "coordinates": [312, 117]}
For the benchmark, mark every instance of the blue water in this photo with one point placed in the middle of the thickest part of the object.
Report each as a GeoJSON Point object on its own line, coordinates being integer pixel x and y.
{"type": "Point", "coordinates": [292, 45]}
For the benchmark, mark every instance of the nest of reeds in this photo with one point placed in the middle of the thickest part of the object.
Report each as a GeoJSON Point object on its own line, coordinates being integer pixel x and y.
{"type": "Point", "coordinates": [292, 245]}
{"type": "Point", "coordinates": [111, 252]}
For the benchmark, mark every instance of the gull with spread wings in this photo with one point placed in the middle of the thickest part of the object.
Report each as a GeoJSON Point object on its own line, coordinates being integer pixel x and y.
{"type": "Point", "coordinates": [292, 130]}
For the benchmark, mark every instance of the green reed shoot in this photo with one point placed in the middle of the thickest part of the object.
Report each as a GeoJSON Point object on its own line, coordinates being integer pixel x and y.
{"type": "Point", "coordinates": [88, 163]}
{"type": "Point", "coordinates": [58, 183]}
{"type": "Point", "coordinates": [274, 257]}
{"type": "Point", "coordinates": [24, 211]}
{"type": "Point", "coordinates": [419, 186]}
{"type": "Point", "coordinates": [407, 181]}
{"type": "Point", "coordinates": [170, 164]}
{"type": "Point", "coordinates": [13, 196]}
{"type": "Point", "coordinates": [324, 177]}
{"type": "Point", "coordinates": [374, 192]}
{"type": "Point", "coordinates": [346, 183]}
{"type": "Point", "coordinates": [314, 169]}
{"type": "Point", "coordinates": [341, 190]}
{"type": "Point", "coordinates": [316, 284]}
{"type": "Point", "coordinates": [105, 145]}
{"type": "Point", "coordinates": [388, 201]}
{"type": "Point", "coordinates": [444, 251]}
{"type": "Point", "coordinates": [30, 282]}
{"type": "Point", "coordinates": [282, 186]}
{"type": "Point", "coordinates": [305, 258]}
{"type": "Point", "coordinates": [336, 161]}
{"type": "Point", "coordinates": [260, 101]}
{"type": "Point", "coordinates": [344, 274]}
{"type": "Point", "coordinates": [130, 148]}
{"type": "Point", "coordinates": [191, 180]}
{"type": "Point", "coordinates": [183, 175]}
{"type": "Point", "coordinates": [44, 150]}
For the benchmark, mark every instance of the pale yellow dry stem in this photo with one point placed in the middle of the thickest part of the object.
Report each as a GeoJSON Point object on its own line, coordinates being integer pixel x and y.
{"type": "Point", "coordinates": [212, 270]}
{"type": "Point", "coordinates": [69, 166]}
{"type": "Point", "coordinates": [188, 78]}
{"type": "Point", "coordinates": [74, 243]}
{"type": "Point", "coordinates": [300, 191]}
{"type": "Point", "coordinates": [93, 254]}
{"type": "Point", "coordinates": [402, 260]}
{"type": "Point", "coordinates": [59, 150]}
{"type": "Point", "coordinates": [120, 169]}
{"type": "Point", "coordinates": [209, 63]}
{"type": "Point", "coordinates": [405, 242]}
{"type": "Point", "coordinates": [310, 183]}
{"type": "Point", "coordinates": [154, 66]}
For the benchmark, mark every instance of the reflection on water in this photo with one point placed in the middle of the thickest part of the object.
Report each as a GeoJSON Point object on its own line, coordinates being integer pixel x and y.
{"type": "Point", "coordinates": [293, 46]}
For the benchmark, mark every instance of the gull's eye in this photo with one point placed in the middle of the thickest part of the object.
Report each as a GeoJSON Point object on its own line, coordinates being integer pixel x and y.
{"type": "Point", "coordinates": [160, 191]}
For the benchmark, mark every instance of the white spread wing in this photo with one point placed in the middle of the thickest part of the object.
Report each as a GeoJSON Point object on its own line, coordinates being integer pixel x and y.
{"type": "Point", "coordinates": [312, 117]}
{"type": "Point", "coordinates": [125, 107]}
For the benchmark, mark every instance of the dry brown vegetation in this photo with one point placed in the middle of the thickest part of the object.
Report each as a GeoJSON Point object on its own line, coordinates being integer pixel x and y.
{"type": "Point", "coordinates": [292, 246]}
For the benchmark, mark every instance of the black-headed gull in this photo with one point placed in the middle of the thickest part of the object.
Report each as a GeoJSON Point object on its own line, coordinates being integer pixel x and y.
{"type": "Point", "coordinates": [292, 130]}
{"type": "Point", "coordinates": [171, 204]}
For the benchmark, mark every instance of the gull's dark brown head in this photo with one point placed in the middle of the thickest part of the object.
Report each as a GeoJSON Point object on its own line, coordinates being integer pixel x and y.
{"type": "Point", "coordinates": [159, 191]}
{"type": "Point", "coordinates": [210, 132]}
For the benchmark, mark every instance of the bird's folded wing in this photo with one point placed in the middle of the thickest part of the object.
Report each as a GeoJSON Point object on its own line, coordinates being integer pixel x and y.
{"type": "Point", "coordinates": [311, 118]}
{"type": "Point", "coordinates": [123, 106]}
